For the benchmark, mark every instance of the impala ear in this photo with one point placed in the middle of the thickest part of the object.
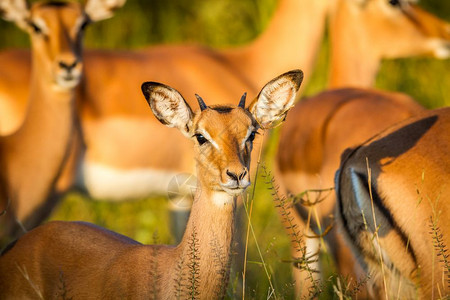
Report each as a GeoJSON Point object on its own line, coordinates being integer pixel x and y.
{"type": "Point", "coordinates": [98, 10]}
{"type": "Point", "coordinates": [16, 11]}
{"type": "Point", "coordinates": [168, 106]}
{"type": "Point", "coordinates": [276, 98]}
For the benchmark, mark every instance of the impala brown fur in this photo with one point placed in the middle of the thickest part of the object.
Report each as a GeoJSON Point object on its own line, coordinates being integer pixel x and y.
{"type": "Point", "coordinates": [312, 139]}
{"type": "Point", "coordinates": [110, 169]}
{"type": "Point", "coordinates": [82, 261]}
{"type": "Point", "coordinates": [399, 182]}
{"type": "Point", "coordinates": [33, 156]}
{"type": "Point", "coordinates": [364, 32]}
{"type": "Point", "coordinates": [113, 171]}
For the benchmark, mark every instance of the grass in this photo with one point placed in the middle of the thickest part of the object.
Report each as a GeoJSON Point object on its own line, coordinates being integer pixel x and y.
{"type": "Point", "coordinates": [224, 23]}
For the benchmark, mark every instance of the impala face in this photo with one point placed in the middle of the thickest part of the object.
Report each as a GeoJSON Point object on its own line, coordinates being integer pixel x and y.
{"type": "Point", "coordinates": [56, 31]}
{"type": "Point", "coordinates": [223, 143]}
{"type": "Point", "coordinates": [223, 135]}
{"type": "Point", "coordinates": [410, 29]}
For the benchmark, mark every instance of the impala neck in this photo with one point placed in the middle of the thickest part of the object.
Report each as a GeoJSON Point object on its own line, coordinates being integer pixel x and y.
{"type": "Point", "coordinates": [354, 60]}
{"type": "Point", "coordinates": [291, 41]}
{"type": "Point", "coordinates": [210, 232]}
{"type": "Point", "coordinates": [34, 154]}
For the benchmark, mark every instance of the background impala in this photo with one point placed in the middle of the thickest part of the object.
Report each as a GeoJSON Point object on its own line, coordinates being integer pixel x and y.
{"type": "Point", "coordinates": [199, 21]}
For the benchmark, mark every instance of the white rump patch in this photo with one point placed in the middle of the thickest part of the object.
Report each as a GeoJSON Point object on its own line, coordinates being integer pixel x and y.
{"type": "Point", "coordinates": [359, 190]}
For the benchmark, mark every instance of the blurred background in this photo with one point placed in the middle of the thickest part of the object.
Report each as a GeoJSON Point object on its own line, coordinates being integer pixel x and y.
{"type": "Point", "coordinates": [227, 23]}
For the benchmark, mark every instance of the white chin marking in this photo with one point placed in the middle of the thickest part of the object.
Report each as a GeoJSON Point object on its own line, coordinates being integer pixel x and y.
{"type": "Point", "coordinates": [62, 84]}
{"type": "Point", "coordinates": [221, 199]}
{"type": "Point", "coordinates": [439, 48]}
{"type": "Point", "coordinates": [442, 52]}
{"type": "Point", "coordinates": [111, 184]}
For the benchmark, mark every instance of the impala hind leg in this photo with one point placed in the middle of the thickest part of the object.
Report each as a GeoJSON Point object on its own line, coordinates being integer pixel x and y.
{"type": "Point", "coordinates": [306, 277]}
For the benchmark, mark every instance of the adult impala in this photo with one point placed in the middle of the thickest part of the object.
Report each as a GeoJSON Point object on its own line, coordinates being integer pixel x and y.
{"type": "Point", "coordinates": [92, 262]}
{"type": "Point", "coordinates": [117, 165]}
{"type": "Point", "coordinates": [31, 158]}
{"type": "Point", "coordinates": [291, 40]}
{"type": "Point", "coordinates": [321, 127]}
{"type": "Point", "coordinates": [312, 139]}
{"type": "Point", "coordinates": [380, 29]}
{"type": "Point", "coordinates": [399, 183]}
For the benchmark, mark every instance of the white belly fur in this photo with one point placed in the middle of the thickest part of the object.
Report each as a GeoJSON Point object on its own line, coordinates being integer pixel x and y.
{"type": "Point", "coordinates": [111, 184]}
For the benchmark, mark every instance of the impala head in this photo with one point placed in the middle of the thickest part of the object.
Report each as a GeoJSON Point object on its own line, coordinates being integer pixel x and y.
{"type": "Point", "coordinates": [56, 30]}
{"type": "Point", "coordinates": [400, 28]}
{"type": "Point", "coordinates": [223, 135]}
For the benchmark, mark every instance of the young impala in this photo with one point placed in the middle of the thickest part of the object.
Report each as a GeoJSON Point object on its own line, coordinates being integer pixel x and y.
{"type": "Point", "coordinates": [80, 260]}
{"type": "Point", "coordinates": [312, 139]}
{"type": "Point", "coordinates": [31, 158]}
{"type": "Point", "coordinates": [393, 207]}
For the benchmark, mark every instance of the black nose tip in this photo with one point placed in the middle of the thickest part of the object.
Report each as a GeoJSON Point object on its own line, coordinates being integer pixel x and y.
{"type": "Point", "coordinates": [67, 66]}
{"type": "Point", "coordinates": [232, 175]}
{"type": "Point", "coordinates": [235, 176]}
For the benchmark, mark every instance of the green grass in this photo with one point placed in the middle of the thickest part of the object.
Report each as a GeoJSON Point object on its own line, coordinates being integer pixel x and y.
{"type": "Point", "coordinates": [225, 23]}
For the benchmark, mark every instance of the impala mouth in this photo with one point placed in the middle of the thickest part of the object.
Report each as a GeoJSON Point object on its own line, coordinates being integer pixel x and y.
{"type": "Point", "coordinates": [440, 49]}
{"type": "Point", "coordinates": [443, 52]}
{"type": "Point", "coordinates": [234, 188]}
{"type": "Point", "coordinates": [68, 81]}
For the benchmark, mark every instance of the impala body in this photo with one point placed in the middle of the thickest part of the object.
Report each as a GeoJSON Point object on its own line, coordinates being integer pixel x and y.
{"type": "Point", "coordinates": [399, 183]}
{"type": "Point", "coordinates": [116, 165]}
{"type": "Point", "coordinates": [312, 139]}
{"type": "Point", "coordinates": [82, 261]}
{"type": "Point", "coordinates": [32, 157]}
{"type": "Point", "coordinates": [321, 127]}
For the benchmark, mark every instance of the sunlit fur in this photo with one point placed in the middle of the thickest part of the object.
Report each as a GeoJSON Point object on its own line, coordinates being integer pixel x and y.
{"type": "Point", "coordinates": [291, 40]}
{"type": "Point", "coordinates": [93, 262]}
{"type": "Point", "coordinates": [362, 34]}
{"type": "Point", "coordinates": [32, 158]}
{"type": "Point", "coordinates": [404, 174]}
{"type": "Point", "coordinates": [312, 139]}
{"type": "Point", "coordinates": [229, 132]}
{"type": "Point", "coordinates": [60, 40]}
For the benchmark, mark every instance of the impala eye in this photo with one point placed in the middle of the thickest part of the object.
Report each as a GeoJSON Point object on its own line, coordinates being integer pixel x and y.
{"type": "Point", "coordinates": [252, 136]}
{"type": "Point", "coordinates": [200, 139]}
{"type": "Point", "coordinates": [84, 25]}
{"type": "Point", "coordinates": [394, 2]}
{"type": "Point", "coordinates": [35, 28]}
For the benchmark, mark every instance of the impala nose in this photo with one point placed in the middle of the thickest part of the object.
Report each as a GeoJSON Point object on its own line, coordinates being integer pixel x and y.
{"type": "Point", "coordinates": [237, 177]}
{"type": "Point", "coordinates": [237, 180]}
{"type": "Point", "coordinates": [68, 66]}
